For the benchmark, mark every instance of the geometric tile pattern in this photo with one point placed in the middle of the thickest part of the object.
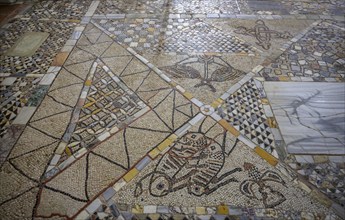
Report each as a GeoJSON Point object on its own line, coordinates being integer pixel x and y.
{"type": "Point", "coordinates": [177, 35]}
{"type": "Point", "coordinates": [108, 103]}
{"type": "Point", "coordinates": [335, 7]}
{"type": "Point", "coordinates": [14, 94]}
{"type": "Point", "coordinates": [244, 110]}
{"type": "Point", "coordinates": [62, 9]}
{"type": "Point", "coordinates": [318, 54]}
{"type": "Point", "coordinates": [40, 61]}
{"type": "Point", "coordinates": [140, 36]}
{"type": "Point", "coordinates": [328, 176]}
{"type": "Point", "coordinates": [180, 6]}
{"type": "Point", "coordinates": [202, 37]}
{"type": "Point", "coordinates": [121, 7]}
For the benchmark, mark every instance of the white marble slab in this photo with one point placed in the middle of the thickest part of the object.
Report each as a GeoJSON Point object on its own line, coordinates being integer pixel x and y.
{"type": "Point", "coordinates": [310, 115]}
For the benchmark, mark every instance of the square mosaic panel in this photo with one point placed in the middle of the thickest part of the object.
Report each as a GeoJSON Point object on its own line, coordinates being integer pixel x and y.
{"type": "Point", "coordinates": [177, 35]}
{"type": "Point", "coordinates": [318, 54]}
{"type": "Point", "coordinates": [244, 110]}
{"type": "Point", "coordinates": [131, 7]}
{"type": "Point", "coordinates": [62, 9]}
{"type": "Point", "coordinates": [40, 61]}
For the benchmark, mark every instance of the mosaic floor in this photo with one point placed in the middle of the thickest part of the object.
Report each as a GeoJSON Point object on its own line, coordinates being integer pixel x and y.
{"type": "Point", "coordinates": [158, 109]}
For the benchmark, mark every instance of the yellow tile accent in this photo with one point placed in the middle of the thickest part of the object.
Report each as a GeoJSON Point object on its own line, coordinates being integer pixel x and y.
{"type": "Point", "coordinates": [88, 82]}
{"type": "Point", "coordinates": [222, 210]}
{"type": "Point", "coordinates": [284, 78]}
{"type": "Point", "coordinates": [172, 137]}
{"type": "Point", "coordinates": [174, 84]}
{"type": "Point", "coordinates": [217, 102]}
{"type": "Point", "coordinates": [154, 216]}
{"type": "Point", "coordinates": [130, 175]}
{"type": "Point", "coordinates": [166, 143]}
{"type": "Point", "coordinates": [228, 127]}
{"type": "Point", "coordinates": [200, 210]}
{"type": "Point", "coordinates": [272, 122]}
{"type": "Point", "coordinates": [68, 151]}
{"type": "Point", "coordinates": [88, 104]}
{"type": "Point", "coordinates": [73, 20]}
{"type": "Point", "coordinates": [266, 156]}
{"type": "Point", "coordinates": [154, 153]}
{"type": "Point", "coordinates": [264, 101]}
{"type": "Point", "coordinates": [137, 209]}
{"type": "Point", "coordinates": [150, 29]}
{"type": "Point", "coordinates": [188, 95]}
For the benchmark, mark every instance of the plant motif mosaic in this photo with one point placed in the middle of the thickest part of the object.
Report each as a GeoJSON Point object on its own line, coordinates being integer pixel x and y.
{"type": "Point", "coordinates": [207, 68]}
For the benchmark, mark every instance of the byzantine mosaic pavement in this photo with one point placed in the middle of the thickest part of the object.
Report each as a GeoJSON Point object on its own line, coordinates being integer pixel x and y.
{"type": "Point", "coordinates": [158, 109]}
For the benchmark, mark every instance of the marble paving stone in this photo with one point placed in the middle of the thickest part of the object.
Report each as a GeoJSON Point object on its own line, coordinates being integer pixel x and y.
{"type": "Point", "coordinates": [27, 44]}
{"type": "Point", "coordinates": [310, 116]}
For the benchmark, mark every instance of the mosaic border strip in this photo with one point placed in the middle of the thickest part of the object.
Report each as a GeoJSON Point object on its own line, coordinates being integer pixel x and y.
{"type": "Point", "coordinates": [217, 16]}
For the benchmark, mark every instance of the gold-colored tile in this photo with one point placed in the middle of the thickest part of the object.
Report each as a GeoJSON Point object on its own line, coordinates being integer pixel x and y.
{"type": "Point", "coordinates": [131, 174]}
{"type": "Point", "coordinates": [200, 210]}
{"type": "Point", "coordinates": [223, 210]}
{"type": "Point", "coordinates": [272, 123]}
{"type": "Point", "coordinates": [266, 156]}
{"type": "Point", "coordinates": [188, 95]}
{"type": "Point", "coordinates": [284, 78]}
{"type": "Point", "coordinates": [68, 151]}
{"type": "Point", "coordinates": [166, 143]}
{"type": "Point", "coordinates": [228, 127]}
{"type": "Point", "coordinates": [137, 209]}
{"type": "Point", "coordinates": [217, 102]}
{"type": "Point", "coordinates": [88, 82]}
{"type": "Point", "coordinates": [264, 101]}
{"type": "Point", "coordinates": [154, 153]}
